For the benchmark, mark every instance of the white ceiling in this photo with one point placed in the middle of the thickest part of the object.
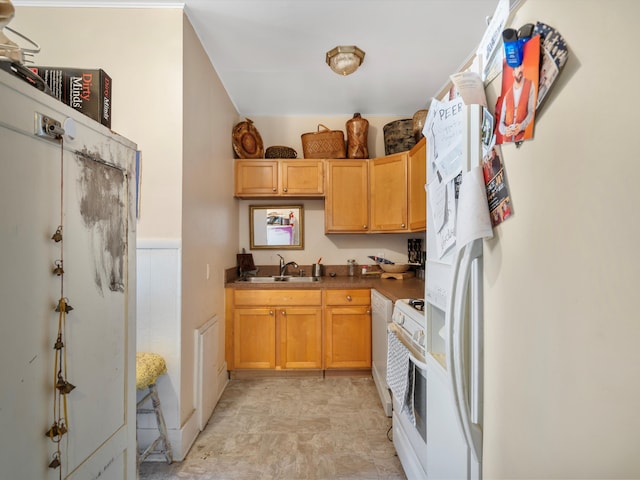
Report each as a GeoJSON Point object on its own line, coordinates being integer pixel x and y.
{"type": "Point", "coordinates": [270, 54]}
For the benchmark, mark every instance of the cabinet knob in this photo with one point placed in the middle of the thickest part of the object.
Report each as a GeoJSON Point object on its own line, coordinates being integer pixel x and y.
{"type": "Point", "coordinates": [368, 312]}
{"type": "Point", "coordinates": [285, 189]}
{"type": "Point", "coordinates": [284, 312]}
{"type": "Point", "coordinates": [271, 312]}
{"type": "Point", "coordinates": [364, 227]}
{"type": "Point", "coordinates": [274, 189]}
{"type": "Point", "coordinates": [349, 298]}
{"type": "Point", "coordinates": [403, 226]}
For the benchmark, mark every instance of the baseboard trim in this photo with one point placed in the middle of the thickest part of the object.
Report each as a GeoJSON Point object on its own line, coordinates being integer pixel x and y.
{"type": "Point", "coordinates": [248, 374]}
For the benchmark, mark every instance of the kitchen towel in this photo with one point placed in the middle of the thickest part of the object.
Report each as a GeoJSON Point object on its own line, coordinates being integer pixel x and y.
{"type": "Point", "coordinates": [399, 374]}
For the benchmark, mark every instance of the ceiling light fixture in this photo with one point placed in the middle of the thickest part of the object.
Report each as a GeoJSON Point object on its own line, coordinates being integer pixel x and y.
{"type": "Point", "coordinates": [345, 59]}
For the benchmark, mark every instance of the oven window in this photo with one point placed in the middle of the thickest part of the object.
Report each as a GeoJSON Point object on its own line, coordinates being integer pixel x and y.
{"type": "Point", "coordinates": [420, 400]}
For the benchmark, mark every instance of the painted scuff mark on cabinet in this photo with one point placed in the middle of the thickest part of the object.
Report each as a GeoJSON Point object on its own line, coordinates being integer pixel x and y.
{"type": "Point", "coordinates": [101, 192]}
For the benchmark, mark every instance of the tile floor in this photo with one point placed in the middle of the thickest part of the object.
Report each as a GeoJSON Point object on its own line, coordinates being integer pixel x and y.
{"type": "Point", "coordinates": [291, 428]}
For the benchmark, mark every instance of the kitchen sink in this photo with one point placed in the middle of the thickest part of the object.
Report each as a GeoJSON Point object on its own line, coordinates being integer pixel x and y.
{"type": "Point", "coordinates": [256, 280]}
{"type": "Point", "coordinates": [302, 279]}
{"type": "Point", "coordinates": [278, 278]}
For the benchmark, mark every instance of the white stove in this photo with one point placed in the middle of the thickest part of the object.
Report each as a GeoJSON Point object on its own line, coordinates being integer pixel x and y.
{"type": "Point", "coordinates": [409, 315]}
{"type": "Point", "coordinates": [406, 375]}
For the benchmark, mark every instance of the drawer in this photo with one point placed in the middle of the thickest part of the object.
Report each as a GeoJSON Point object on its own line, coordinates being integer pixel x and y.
{"type": "Point", "coordinates": [277, 297]}
{"type": "Point", "coordinates": [361, 296]}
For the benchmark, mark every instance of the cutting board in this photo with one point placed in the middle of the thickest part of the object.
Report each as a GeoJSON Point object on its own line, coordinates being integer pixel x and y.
{"type": "Point", "coordinates": [398, 276]}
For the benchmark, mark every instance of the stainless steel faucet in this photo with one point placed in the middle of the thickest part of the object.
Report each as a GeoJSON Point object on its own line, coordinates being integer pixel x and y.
{"type": "Point", "coordinates": [283, 266]}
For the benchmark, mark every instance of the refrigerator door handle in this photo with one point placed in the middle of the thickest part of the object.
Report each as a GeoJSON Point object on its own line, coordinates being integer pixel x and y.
{"type": "Point", "coordinates": [449, 323]}
{"type": "Point", "coordinates": [472, 431]}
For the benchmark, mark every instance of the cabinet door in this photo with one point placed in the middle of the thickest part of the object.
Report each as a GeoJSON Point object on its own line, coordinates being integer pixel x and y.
{"type": "Point", "coordinates": [417, 181]}
{"type": "Point", "coordinates": [388, 183]}
{"type": "Point", "coordinates": [300, 337]}
{"type": "Point", "coordinates": [254, 341]}
{"type": "Point", "coordinates": [256, 178]}
{"type": "Point", "coordinates": [346, 196]}
{"type": "Point", "coordinates": [347, 337]}
{"type": "Point", "coordinates": [302, 177]}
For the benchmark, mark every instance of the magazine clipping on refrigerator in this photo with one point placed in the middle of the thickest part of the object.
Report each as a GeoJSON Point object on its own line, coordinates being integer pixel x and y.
{"type": "Point", "coordinates": [468, 203]}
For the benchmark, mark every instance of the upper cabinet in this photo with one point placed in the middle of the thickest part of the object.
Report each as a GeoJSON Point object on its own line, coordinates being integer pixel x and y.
{"type": "Point", "coordinates": [417, 195]}
{"type": "Point", "coordinates": [279, 178]}
{"type": "Point", "coordinates": [346, 204]}
{"type": "Point", "coordinates": [381, 195]}
{"type": "Point", "coordinates": [388, 184]}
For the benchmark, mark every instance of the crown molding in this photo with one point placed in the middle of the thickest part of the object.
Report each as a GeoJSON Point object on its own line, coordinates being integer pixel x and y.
{"type": "Point", "coordinates": [98, 4]}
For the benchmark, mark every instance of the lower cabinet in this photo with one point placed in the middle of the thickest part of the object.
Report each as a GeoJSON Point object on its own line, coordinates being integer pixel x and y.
{"type": "Point", "coordinates": [347, 335]}
{"type": "Point", "coordinates": [300, 337]}
{"type": "Point", "coordinates": [277, 329]}
{"type": "Point", "coordinates": [298, 329]}
{"type": "Point", "coordinates": [254, 344]}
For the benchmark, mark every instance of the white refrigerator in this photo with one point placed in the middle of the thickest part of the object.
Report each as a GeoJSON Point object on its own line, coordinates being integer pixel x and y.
{"type": "Point", "coordinates": [557, 358]}
{"type": "Point", "coordinates": [453, 298]}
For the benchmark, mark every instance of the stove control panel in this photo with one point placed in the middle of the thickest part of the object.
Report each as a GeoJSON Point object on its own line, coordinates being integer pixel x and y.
{"type": "Point", "coordinates": [409, 315]}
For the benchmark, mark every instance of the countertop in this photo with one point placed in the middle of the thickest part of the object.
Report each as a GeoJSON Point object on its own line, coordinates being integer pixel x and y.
{"type": "Point", "coordinates": [389, 287]}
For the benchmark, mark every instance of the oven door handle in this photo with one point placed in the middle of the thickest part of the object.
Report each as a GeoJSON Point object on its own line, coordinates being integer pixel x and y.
{"type": "Point", "coordinates": [392, 327]}
{"type": "Point", "coordinates": [421, 365]}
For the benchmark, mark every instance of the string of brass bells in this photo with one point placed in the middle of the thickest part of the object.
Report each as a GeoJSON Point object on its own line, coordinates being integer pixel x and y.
{"type": "Point", "coordinates": [61, 385]}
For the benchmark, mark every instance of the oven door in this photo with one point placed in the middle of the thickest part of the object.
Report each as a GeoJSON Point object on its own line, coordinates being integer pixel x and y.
{"type": "Point", "coordinates": [410, 413]}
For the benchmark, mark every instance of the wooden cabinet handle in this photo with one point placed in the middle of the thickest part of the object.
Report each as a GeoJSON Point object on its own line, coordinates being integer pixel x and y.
{"type": "Point", "coordinates": [284, 312]}
{"type": "Point", "coordinates": [285, 189]}
{"type": "Point", "coordinates": [403, 226]}
{"type": "Point", "coordinates": [274, 189]}
{"type": "Point", "coordinates": [364, 227]}
{"type": "Point", "coordinates": [368, 312]}
{"type": "Point", "coordinates": [349, 298]}
{"type": "Point", "coordinates": [271, 312]}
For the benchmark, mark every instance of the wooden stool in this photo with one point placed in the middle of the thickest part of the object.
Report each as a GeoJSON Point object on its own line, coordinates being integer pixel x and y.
{"type": "Point", "coordinates": [149, 366]}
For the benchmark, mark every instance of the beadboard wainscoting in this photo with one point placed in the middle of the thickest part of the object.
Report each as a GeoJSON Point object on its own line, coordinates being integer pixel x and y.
{"type": "Point", "coordinates": [158, 330]}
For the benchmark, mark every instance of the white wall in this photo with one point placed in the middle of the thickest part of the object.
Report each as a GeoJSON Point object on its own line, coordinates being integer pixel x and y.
{"type": "Point", "coordinates": [561, 276]}
{"type": "Point", "coordinates": [334, 249]}
{"type": "Point", "coordinates": [287, 130]}
{"type": "Point", "coordinates": [141, 49]}
{"type": "Point", "coordinates": [209, 212]}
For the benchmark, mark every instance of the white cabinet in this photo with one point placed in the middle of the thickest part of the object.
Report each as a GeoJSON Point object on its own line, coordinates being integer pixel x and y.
{"type": "Point", "coordinates": [88, 186]}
